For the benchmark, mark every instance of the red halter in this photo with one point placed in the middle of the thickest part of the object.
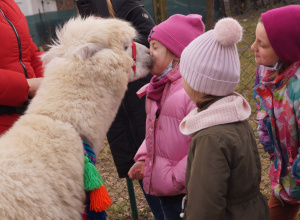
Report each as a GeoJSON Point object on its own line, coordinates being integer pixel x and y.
{"type": "Point", "coordinates": [134, 55]}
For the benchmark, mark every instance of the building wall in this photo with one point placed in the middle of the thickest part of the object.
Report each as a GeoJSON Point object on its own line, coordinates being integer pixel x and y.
{"type": "Point", "coordinates": [65, 4]}
{"type": "Point", "coordinates": [32, 7]}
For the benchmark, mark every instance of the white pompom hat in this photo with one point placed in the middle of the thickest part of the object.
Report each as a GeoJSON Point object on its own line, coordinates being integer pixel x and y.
{"type": "Point", "coordinates": [210, 64]}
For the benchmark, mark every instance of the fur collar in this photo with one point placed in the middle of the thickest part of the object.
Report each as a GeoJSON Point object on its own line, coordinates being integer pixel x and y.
{"type": "Point", "coordinates": [226, 110]}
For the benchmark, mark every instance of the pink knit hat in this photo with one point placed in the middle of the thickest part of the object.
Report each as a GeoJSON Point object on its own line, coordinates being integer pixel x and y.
{"type": "Point", "coordinates": [283, 30]}
{"type": "Point", "coordinates": [177, 32]}
{"type": "Point", "coordinates": [210, 64]}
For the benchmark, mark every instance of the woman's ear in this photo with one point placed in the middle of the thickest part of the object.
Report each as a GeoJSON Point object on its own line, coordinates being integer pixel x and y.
{"type": "Point", "coordinates": [175, 61]}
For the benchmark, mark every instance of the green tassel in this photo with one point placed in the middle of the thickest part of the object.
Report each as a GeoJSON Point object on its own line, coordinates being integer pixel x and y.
{"type": "Point", "coordinates": [92, 178]}
{"type": "Point", "coordinates": [100, 180]}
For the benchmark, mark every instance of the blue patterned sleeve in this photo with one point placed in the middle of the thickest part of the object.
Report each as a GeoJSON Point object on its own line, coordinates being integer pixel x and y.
{"type": "Point", "coordinates": [264, 128]}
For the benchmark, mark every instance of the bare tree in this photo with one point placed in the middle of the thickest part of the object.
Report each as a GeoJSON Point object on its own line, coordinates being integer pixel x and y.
{"type": "Point", "coordinates": [246, 4]}
{"type": "Point", "coordinates": [222, 8]}
{"type": "Point", "coordinates": [234, 8]}
{"type": "Point", "coordinates": [160, 10]}
{"type": "Point", "coordinates": [209, 14]}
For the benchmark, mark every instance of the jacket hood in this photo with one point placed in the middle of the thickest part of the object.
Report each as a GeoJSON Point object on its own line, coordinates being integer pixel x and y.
{"type": "Point", "coordinates": [123, 7]}
{"type": "Point", "coordinates": [226, 110]}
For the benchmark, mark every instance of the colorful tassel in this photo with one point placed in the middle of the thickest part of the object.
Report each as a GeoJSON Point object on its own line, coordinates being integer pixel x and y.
{"type": "Point", "coordinates": [91, 175]}
{"type": "Point", "coordinates": [100, 199]}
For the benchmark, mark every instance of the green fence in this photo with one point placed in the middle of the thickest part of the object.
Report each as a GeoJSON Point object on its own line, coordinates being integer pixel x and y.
{"type": "Point", "coordinates": [42, 26]}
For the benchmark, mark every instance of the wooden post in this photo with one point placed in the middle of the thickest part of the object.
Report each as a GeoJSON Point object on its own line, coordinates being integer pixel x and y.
{"type": "Point", "coordinates": [209, 22]}
{"type": "Point", "coordinates": [160, 10]}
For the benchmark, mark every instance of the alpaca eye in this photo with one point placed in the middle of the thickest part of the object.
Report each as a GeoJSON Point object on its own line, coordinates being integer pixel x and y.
{"type": "Point", "coordinates": [126, 47]}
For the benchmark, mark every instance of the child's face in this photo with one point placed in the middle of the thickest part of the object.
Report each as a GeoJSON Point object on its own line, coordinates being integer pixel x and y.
{"type": "Point", "coordinates": [264, 53]}
{"type": "Point", "coordinates": [161, 55]}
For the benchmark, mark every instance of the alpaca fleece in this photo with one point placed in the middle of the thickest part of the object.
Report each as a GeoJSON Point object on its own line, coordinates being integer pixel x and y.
{"type": "Point", "coordinates": [87, 70]}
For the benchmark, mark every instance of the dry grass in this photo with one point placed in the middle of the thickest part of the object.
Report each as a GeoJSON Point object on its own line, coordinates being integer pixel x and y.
{"type": "Point", "coordinates": [117, 188]}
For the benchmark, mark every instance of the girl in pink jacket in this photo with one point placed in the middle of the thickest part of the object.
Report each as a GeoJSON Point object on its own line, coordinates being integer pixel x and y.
{"type": "Point", "coordinates": [161, 159]}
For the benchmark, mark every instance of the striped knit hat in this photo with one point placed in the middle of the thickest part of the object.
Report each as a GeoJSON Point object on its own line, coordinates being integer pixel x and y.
{"type": "Point", "coordinates": [210, 64]}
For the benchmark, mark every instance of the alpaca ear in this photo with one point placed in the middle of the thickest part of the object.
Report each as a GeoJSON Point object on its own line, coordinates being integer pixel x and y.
{"type": "Point", "coordinates": [50, 54]}
{"type": "Point", "coordinates": [88, 50]}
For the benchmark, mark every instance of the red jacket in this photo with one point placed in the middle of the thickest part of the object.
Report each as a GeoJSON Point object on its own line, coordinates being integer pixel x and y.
{"type": "Point", "coordinates": [19, 58]}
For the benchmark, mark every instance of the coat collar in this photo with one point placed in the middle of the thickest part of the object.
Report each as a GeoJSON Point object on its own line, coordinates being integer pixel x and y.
{"type": "Point", "coordinates": [224, 111]}
{"type": "Point", "coordinates": [277, 83]}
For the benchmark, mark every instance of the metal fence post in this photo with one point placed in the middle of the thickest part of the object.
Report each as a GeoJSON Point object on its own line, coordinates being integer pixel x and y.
{"type": "Point", "coordinates": [132, 199]}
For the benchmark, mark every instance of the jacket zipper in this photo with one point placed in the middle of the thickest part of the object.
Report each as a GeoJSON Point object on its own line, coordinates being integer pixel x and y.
{"type": "Point", "coordinates": [165, 95]}
{"type": "Point", "coordinates": [19, 43]}
{"type": "Point", "coordinates": [161, 105]}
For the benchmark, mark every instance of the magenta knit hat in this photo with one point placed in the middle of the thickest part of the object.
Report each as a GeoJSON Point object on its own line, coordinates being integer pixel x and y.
{"type": "Point", "coordinates": [177, 32]}
{"type": "Point", "coordinates": [210, 64]}
{"type": "Point", "coordinates": [283, 30]}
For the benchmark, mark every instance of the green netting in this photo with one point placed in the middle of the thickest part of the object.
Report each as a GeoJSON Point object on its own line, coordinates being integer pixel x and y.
{"type": "Point", "coordinates": [42, 26]}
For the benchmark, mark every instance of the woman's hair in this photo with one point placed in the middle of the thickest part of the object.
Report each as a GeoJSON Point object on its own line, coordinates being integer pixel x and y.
{"type": "Point", "coordinates": [203, 99]}
{"type": "Point", "coordinates": [110, 9]}
{"type": "Point", "coordinates": [260, 19]}
{"type": "Point", "coordinates": [282, 65]}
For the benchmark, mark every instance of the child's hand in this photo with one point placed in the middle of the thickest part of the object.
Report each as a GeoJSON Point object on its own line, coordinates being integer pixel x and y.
{"type": "Point", "coordinates": [136, 172]}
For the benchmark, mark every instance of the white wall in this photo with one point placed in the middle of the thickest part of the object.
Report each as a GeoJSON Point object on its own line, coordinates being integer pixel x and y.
{"type": "Point", "coordinates": [31, 7]}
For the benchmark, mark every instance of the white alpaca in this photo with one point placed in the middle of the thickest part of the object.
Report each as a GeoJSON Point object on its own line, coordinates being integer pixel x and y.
{"type": "Point", "coordinates": [41, 157]}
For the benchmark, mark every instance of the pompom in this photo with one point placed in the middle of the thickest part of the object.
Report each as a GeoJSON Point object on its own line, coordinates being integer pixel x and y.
{"type": "Point", "coordinates": [228, 31]}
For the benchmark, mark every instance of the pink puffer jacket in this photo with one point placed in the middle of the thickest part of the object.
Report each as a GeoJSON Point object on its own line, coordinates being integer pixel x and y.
{"type": "Point", "coordinates": [165, 149]}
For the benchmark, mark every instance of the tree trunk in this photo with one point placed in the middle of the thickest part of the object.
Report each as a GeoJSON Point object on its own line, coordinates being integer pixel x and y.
{"type": "Point", "coordinates": [160, 10]}
{"type": "Point", "coordinates": [209, 23]}
{"type": "Point", "coordinates": [234, 7]}
{"type": "Point", "coordinates": [238, 7]}
{"type": "Point", "coordinates": [222, 8]}
{"type": "Point", "coordinates": [247, 5]}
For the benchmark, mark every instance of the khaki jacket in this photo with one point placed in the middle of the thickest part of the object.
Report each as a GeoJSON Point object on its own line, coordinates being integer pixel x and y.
{"type": "Point", "coordinates": [223, 167]}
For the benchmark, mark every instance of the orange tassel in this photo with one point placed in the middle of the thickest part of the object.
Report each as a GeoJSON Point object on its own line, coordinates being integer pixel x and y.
{"type": "Point", "coordinates": [100, 199]}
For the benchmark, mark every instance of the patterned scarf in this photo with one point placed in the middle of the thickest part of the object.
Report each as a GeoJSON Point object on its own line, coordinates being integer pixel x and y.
{"type": "Point", "coordinates": [157, 85]}
{"type": "Point", "coordinates": [156, 88]}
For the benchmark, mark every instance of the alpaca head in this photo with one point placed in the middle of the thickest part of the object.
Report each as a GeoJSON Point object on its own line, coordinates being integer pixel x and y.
{"type": "Point", "coordinates": [83, 38]}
